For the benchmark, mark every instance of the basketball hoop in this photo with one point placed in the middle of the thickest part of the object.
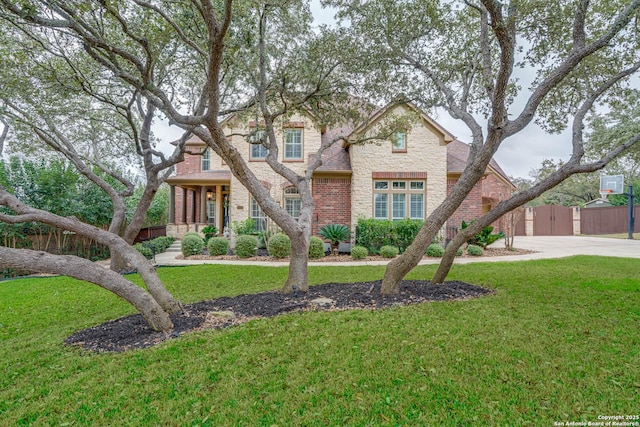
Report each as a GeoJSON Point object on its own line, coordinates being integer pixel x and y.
{"type": "Point", "coordinates": [611, 184]}
{"type": "Point", "coordinates": [605, 192]}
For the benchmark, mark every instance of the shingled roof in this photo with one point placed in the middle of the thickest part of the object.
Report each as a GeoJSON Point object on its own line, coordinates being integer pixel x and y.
{"type": "Point", "coordinates": [457, 155]}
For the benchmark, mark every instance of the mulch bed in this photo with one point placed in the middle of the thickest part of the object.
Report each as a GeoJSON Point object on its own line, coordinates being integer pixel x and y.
{"type": "Point", "coordinates": [131, 332]}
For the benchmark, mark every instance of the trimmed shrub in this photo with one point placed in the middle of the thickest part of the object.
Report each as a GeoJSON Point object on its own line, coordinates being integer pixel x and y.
{"type": "Point", "coordinates": [460, 251]}
{"type": "Point", "coordinates": [279, 246]}
{"type": "Point", "coordinates": [435, 250]}
{"type": "Point", "coordinates": [145, 250]}
{"type": "Point", "coordinates": [359, 252]}
{"type": "Point", "coordinates": [246, 246]}
{"type": "Point", "coordinates": [373, 234]}
{"type": "Point", "coordinates": [218, 246]}
{"type": "Point", "coordinates": [190, 233]}
{"type": "Point", "coordinates": [192, 244]}
{"type": "Point", "coordinates": [316, 248]}
{"type": "Point", "coordinates": [474, 250]}
{"type": "Point", "coordinates": [389, 251]}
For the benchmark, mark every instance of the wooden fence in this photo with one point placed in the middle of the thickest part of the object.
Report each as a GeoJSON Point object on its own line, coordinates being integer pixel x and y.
{"type": "Point", "coordinates": [151, 233]}
{"type": "Point", "coordinates": [607, 220]}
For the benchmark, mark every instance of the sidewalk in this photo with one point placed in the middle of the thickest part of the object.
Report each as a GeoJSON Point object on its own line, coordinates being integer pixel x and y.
{"type": "Point", "coordinates": [545, 247]}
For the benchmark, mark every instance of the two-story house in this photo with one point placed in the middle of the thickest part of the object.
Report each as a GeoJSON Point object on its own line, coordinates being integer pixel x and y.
{"type": "Point", "coordinates": [405, 177]}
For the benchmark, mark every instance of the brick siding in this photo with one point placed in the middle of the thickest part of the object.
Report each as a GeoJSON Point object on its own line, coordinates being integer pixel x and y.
{"type": "Point", "coordinates": [332, 197]}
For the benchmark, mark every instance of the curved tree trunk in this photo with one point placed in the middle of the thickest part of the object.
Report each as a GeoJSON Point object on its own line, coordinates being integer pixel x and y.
{"type": "Point", "coordinates": [449, 256]}
{"type": "Point", "coordinates": [298, 268]}
{"type": "Point", "coordinates": [149, 276]}
{"type": "Point", "coordinates": [400, 266]}
{"type": "Point", "coordinates": [82, 269]}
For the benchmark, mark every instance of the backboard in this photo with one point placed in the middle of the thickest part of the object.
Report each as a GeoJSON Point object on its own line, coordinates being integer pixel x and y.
{"type": "Point", "coordinates": [611, 184]}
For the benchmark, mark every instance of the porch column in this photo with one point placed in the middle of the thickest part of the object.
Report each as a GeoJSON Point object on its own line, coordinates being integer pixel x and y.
{"type": "Point", "coordinates": [184, 205]}
{"type": "Point", "coordinates": [203, 205]}
{"type": "Point", "coordinates": [219, 214]}
{"type": "Point", "coordinates": [193, 206]}
{"type": "Point", "coordinates": [172, 204]}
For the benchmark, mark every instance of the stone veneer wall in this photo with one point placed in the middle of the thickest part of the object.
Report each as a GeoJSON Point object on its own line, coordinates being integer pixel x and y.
{"type": "Point", "coordinates": [426, 152]}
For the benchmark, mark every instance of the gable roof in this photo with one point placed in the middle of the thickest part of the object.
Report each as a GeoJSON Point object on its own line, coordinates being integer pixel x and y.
{"type": "Point", "coordinates": [446, 135]}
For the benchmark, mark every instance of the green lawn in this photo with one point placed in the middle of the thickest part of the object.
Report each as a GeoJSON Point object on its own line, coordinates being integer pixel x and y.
{"type": "Point", "coordinates": [559, 341]}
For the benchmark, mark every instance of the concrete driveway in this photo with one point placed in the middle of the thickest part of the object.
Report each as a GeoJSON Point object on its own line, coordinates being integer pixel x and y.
{"type": "Point", "coordinates": [562, 246]}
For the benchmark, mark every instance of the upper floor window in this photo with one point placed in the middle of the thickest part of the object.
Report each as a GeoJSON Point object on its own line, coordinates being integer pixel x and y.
{"type": "Point", "coordinates": [399, 142]}
{"type": "Point", "coordinates": [206, 159]}
{"type": "Point", "coordinates": [293, 144]}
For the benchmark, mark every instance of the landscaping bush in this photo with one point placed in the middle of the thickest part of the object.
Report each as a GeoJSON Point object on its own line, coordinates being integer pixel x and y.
{"type": "Point", "coordinates": [373, 234]}
{"type": "Point", "coordinates": [246, 246]}
{"type": "Point", "coordinates": [316, 248]}
{"type": "Point", "coordinates": [209, 231]}
{"type": "Point", "coordinates": [218, 246]}
{"type": "Point", "coordinates": [335, 233]}
{"type": "Point", "coordinates": [389, 251]}
{"type": "Point", "coordinates": [191, 233]}
{"type": "Point", "coordinates": [435, 250]}
{"type": "Point", "coordinates": [192, 244]}
{"type": "Point", "coordinates": [460, 251]}
{"type": "Point", "coordinates": [145, 250]}
{"type": "Point", "coordinates": [485, 237]}
{"type": "Point", "coordinates": [279, 246]}
{"type": "Point", "coordinates": [359, 252]}
{"type": "Point", "coordinates": [248, 226]}
{"type": "Point", "coordinates": [474, 250]}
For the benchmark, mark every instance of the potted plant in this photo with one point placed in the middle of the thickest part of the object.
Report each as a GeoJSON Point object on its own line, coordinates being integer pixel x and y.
{"type": "Point", "coordinates": [335, 233]}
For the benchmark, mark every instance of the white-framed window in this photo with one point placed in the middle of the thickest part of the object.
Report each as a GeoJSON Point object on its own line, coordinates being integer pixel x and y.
{"type": "Point", "coordinates": [398, 199]}
{"type": "Point", "coordinates": [292, 202]}
{"type": "Point", "coordinates": [399, 141]}
{"type": "Point", "coordinates": [293, 144]}
{"type": "Point", "coordinates": [258, 152]}
{"type": "Point", "coordinates": [206, 160]}
{"type": "Point", "coordinates": [257, 214]}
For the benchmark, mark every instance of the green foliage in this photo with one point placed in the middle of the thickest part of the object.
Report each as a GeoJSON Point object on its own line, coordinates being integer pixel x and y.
{"type": "Point", "coordinates": [389, 251]}
{"type": "Point", "coordinates": [144, 250]}
{"type": "Point", "coordinates": [459, 251]}
{"type": "Point", "coordinates": [316, 247]}
{"type": "Point", "coordinates": [335, 233]}
{"type": "Point", "coordinates": [246, 246]}
{"type": "Point", "coordinates": [435, 250]}
{"type": "Point", "coordinates": [475, 250]}
{"type": "Point", "coordinates": [248, 226]}
{"type": "Point", "coordinates": [218, 246]}
{"type": "Point", "coordinates": [192, 244]}
{"type": "Point", "coordinates": [279, 245]}
{"type": "Point", "coordinates": [359, 252]}
{"type": "Point", "coordinates": [209, 231]}
{"type": "Point", "coordinates": [485, 237]}
{"type": "Point", "coordinates": [373, 233]}
{"type": "Point", "coordinates": [159, 244]}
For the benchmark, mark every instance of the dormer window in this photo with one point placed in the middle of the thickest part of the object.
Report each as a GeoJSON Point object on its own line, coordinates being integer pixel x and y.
{"type": "Point", "coordinates": [399, 142]}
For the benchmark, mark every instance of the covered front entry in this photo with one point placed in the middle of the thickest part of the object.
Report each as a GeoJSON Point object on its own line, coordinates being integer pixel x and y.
{"type": "Point", "coordinates": [195, 204]}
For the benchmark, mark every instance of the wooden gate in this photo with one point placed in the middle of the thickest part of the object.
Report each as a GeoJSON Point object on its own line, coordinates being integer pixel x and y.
{"type": "Point", "coordinates": [552, 220]}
